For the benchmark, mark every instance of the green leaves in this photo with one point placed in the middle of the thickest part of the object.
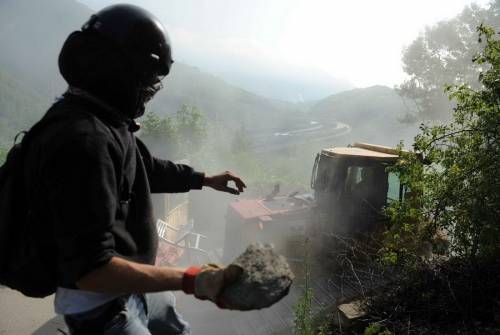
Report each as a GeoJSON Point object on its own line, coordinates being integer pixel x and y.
{"type": "Point", "coordinates": [176, 137]}
{"type": "Point", "coordinates": [191, 129]}
{"type": "Point", "coordinates": [303, 313]}
{"type": "Point", "coordinates": [155, 126]}
{"type": "Point", "coordinates": [376, 329]}
{"type": "Point", "coordinates": [303, 308]}
{"type": "Point", "coordinates": [458, 192]}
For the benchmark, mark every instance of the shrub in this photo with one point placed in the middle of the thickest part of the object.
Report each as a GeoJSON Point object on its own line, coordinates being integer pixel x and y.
{"type": "Point", "coordinates": [457, 193]}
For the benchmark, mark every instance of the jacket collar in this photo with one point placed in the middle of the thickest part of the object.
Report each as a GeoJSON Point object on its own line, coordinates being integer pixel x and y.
{"type": "Point", "coordinates": [105, 110]}
{"type": "Point", "coordinates": [92, 98]}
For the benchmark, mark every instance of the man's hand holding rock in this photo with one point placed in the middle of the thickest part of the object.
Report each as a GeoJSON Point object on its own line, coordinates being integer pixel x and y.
{"type": "Point", "coordinates": [209, 281]}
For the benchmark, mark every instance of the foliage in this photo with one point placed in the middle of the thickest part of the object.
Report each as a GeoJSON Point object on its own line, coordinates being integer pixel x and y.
{"type": "Point", "coordinates": [241, 142]}
{"type": "Point", "coordinates": [159, 133]}
{"type": "Point", "coordinates": [303, 312]}
{"type": "Point", "coordinates": [404, 238]}
{"type": "Point", "coordinates": [177, 137]}
{"type": "Point", "coordinates": [442, 55]}
{"type": "Point", "coordinates": [323, 329]}
{"type": "Point", "coordinates": [191, 129]}
{"type": "Point", "coordinates": [453, 297]}
{"type": "Point", "coordinates": [376, 329]}
{"type": "Point", "coordinates": [457, 194]}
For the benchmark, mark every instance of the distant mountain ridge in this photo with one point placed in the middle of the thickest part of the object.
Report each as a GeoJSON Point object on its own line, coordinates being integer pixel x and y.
{"type": "Point", "coordinates": [372, 102]}
{"type": "Point", "coordinates": [219, 100]}
{"type": "Point", "coordinates": [293, 85]}
{"type": "Point", "coordinates": [19, 108]}
{"type": "Point", "coordinates": [31, 36]}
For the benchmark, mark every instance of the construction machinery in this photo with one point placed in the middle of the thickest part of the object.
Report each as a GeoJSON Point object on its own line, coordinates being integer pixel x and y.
{"type": "Point", "coordinates": [350, 187]}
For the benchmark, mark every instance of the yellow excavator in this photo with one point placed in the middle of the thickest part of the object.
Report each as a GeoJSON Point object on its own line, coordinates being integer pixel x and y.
{"type": "Point", "coordinates": [350, 187]}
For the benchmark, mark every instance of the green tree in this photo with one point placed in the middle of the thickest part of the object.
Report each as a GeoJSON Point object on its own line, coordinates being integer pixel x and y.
{"type": "Point", "coordinates": [459, 190]}
{"type": "Point", "coordinates": [177, 137]}
{"type": "Point", "coordinates": [160, 134]}
{"type": "Point", "coordinates": [191, 130]}
{"type": "Point", "coordinates": [303, 309]}
{"type": "Point", "coordinates": [241, 142]}
{"type": "Point", "coordinates": [442, 55]}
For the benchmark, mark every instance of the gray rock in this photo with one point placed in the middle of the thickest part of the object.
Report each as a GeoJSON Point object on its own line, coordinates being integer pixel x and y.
{"type": "Point", "coordinates": [266, 278]}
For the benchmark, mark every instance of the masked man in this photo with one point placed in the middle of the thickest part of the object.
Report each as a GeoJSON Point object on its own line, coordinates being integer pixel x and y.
{"type": "Point", "coordinates": [90, 182]}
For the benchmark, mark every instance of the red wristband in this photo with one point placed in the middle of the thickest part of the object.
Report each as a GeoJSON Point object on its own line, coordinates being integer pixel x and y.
{"type": "Point", "coordinates": [188, 279]}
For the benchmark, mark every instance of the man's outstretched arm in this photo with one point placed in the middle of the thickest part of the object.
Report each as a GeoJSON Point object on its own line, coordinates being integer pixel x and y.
{"type": "Point", "coordinates": [121, 276]}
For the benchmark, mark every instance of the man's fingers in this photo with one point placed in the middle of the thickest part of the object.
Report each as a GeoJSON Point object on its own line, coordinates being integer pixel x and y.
{"type": "Point", "coordinates": [232, 273]}
{"type": "Point", "coordinates": [230, 190]}
{"type": "Point", "coordinates": [239, 183]}
{"type": "Point", "coordinates": [220, 183]}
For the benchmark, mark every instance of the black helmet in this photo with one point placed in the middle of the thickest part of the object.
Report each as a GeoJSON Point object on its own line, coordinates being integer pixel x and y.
{"type": "Point", "coordinates": [141, 36]}
{"type": "Point", "coordinates": [120, 55]}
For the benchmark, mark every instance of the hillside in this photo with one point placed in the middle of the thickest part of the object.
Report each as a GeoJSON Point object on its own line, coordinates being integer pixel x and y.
{"type": "Point", "coordinates": [19, 108]}
{"type": "Point", "coordinates": [219, 100]}
{"type": "Point", "coordinates": [372, 112]}
{"type": "Point", "coordinates": [31, 35]}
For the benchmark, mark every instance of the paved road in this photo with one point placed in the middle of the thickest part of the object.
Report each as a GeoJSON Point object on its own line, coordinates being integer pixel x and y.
{"type": "Point", "coordinates": [279, 141]}
{"type": "Point", "coordinates": [20, 315]}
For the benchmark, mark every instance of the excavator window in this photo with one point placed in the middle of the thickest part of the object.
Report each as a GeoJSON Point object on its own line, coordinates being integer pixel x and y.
{"type": "Point", "coordinates": [394, 190]}
{"type": "Point", "coordinates": [367, 185]}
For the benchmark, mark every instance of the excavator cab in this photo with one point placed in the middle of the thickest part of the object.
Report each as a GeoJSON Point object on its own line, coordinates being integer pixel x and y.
{"type": "Point", "coordinates": [351, 188]}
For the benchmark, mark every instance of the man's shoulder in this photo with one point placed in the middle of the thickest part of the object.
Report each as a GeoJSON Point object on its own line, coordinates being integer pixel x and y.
{"type": "Point", "coordinates": [69, 125]}
{"type": "Point", "coordinates": [70, 120]}
{"type": "Point", "coordinates": [77, 119]}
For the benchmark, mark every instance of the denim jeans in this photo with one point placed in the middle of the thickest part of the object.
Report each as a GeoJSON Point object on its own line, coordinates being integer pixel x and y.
{"type": "Point", "coordinates": [152, 313]}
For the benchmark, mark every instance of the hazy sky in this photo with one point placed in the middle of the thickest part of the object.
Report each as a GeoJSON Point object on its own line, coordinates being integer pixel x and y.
{"type": "Point", "coordinates": [358, 40]}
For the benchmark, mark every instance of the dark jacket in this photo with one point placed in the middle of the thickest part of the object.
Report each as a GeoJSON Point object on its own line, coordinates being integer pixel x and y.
{"type": "Point", "coordinates": [89, 181]}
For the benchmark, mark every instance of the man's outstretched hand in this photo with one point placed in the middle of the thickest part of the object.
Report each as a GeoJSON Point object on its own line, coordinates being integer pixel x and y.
{"type": "Point", "coordinates": [220, 182]}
